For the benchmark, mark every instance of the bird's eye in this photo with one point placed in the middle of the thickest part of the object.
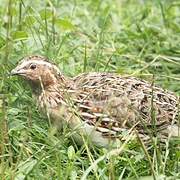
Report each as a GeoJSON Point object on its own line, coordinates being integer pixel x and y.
{"type": "Point", "coordinates": [33, 66]}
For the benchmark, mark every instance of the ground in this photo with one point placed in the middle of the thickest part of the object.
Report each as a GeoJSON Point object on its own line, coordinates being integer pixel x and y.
{"type": "Point", "coordinates": [136, 37]}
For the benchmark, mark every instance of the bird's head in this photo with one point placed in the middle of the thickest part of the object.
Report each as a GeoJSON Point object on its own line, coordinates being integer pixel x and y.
{"type": "Point", "coordinates": [37, 70]}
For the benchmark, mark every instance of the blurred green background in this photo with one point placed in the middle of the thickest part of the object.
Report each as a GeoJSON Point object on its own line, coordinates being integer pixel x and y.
{"type": "Point", "coordinates": [136, 37]}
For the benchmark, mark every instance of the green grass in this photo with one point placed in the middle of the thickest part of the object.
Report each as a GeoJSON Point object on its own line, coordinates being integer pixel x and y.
{"type": "Point", "coordinates": [137, 37]}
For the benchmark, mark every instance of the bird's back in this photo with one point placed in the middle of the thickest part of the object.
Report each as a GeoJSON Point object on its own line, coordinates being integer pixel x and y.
{"type": "Point", "coordinates": [111, 102]}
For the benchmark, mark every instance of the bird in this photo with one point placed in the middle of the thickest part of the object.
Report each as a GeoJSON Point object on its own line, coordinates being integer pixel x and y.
{"type": "Point", "coordinates": [102, 107]}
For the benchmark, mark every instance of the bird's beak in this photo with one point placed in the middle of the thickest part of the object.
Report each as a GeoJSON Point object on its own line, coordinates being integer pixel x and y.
{"type": "Point", "coordinates": [17, 71]}
{"type": "Point", "coordinates": [13, 72]}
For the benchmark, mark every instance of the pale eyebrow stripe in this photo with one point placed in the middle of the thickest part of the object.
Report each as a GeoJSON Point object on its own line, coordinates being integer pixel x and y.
{"type": "Point", "coordinates": [40, 62]}
{"type": "Point", "coordinates": [36, 62]}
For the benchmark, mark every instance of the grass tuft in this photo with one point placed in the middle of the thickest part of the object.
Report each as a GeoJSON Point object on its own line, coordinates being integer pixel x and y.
{"type": "Point", "coordinates": [135, 37]}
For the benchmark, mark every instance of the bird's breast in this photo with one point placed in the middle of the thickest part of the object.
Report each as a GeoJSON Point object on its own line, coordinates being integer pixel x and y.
{"type": "Point", "coordinates": [52, 105]}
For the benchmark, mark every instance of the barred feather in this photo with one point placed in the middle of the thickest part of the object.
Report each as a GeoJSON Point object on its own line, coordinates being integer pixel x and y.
{"type": "Point", "coordinates": [104, 105]}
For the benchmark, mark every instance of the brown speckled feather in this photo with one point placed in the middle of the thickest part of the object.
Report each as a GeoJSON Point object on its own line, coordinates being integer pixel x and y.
{"type": "Point", "coordinates": [115, 102]}
{"type": "Point", "coordinates": [104, 105]}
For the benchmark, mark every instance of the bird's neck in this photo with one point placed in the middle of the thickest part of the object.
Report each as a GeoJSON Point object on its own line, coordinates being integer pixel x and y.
{"type": "Point", "coordinates": [61, 85]}
{"type": "Point", "coordinates": [50, 85]}
{"type": "Point", "coordinates": [54, 93]}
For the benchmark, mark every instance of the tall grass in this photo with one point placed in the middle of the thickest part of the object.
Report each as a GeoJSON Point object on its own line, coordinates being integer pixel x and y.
{"type": "Point", "coordinates": [135, 37]}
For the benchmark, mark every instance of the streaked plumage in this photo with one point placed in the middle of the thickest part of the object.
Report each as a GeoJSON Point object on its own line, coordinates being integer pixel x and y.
{"type": "Point", "coordinates": [104, 107]}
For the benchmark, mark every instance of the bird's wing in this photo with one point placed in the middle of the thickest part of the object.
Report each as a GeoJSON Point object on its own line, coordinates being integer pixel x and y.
{"type": "Point", "coordinates": [112, 103]}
